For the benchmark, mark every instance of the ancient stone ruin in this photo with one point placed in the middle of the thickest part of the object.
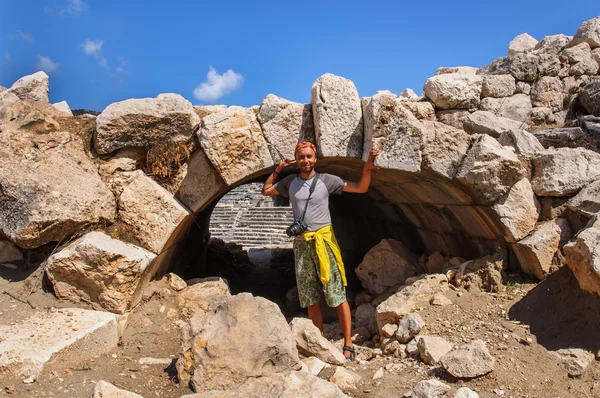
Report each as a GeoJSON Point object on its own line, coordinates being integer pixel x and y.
{"type": "Point", "coordinates": [492, 171]}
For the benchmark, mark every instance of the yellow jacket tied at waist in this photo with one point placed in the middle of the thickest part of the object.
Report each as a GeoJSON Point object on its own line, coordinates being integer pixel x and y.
{"type": "Point", "coordinates": [324, 236]}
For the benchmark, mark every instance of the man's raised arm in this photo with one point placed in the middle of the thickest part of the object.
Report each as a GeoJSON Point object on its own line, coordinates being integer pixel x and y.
{"type": "Point", "coordinates": [362, 186]}
{"type": "Point", "coordinates": [269, 186]}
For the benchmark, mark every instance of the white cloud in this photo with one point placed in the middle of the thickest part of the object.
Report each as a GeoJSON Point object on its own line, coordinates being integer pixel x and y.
{"type": "Point", "coordinates": [94, 49]}
{"type": "Point", "coordinates": [72, 8]}
{"type": "Point", "coordinates": [22, 36]}
{"type": "Point", "coordinates": [46, 64]}
{"type": "Point", "coordinates": [121, 67]}
{"type": "Point", "coordinates": [8, 57]}
{"type": "Point", "coordinates": [216, 86]}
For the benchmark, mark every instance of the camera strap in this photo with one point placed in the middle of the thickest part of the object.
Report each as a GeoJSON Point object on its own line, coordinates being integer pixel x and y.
{"type": "Point", "coordinates": [312, 188]}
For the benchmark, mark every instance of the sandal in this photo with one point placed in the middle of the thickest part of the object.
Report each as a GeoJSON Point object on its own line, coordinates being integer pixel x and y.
{"type": "Point", "coordinates": [351, 351]}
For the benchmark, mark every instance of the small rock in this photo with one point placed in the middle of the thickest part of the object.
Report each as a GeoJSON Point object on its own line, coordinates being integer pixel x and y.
{"type": "Point", "coordinates": [440, 300]}
{"type": "Point", "coordinates": [575, 360]}
{"type": "Point", "coordinates": [155, 361]}
{"type": "Point", "coordinates": [468, 361]}
{"type": "Point", "coordinates": [378, 374]}
{"type": "Point", "coordinates": [409, 326]}
{"type": "Point", "coordinates": [389, 330]}
{"type": "Point", "coordinates": [498, 391]}
{"type": "Point", "coordinates": [176, 282]}
{"type": "Point", "coordinates": [104, 389]}
{"type": "Point", "coordinates": [345, 379]}
{"type": "Point", "coordinates": [429, 389]}
{"type": "Point", "coordinates": [465, 392]}
{"type": "Point", "coordinates": [432, 348]}
{"type": "Point", "coordinates": [413, 348]}
{"type": "Point", "coordinates": [314, 365]}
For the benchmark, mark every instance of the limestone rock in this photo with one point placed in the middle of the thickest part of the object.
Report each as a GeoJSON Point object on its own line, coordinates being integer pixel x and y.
{"type": "Point", "coordinates": [409, 95]}
{"type": "Point", "coordinates": [201, 182]}
{"type": "Point", "coordinates": [570, 137]}
{"type": "Point", "coordinates": [337, 117]}
{"type": "Point", "coordinates": [101, 270]}
{"type": "Point", "coordinates": [564, 171]}
{"type": "Point", "coordinates": [444, 70]}
{"type": "Point", "coordinates": [521, 44]}
{"type": "Point", "coordinates": [583, 256]}
{"type": "Point", "coordinates": [32, 88]}
{"type": "Point", "coordinates": [575, 360]}
{"type": "Point", "coordinates": [175, 282]}
{"type": "Point", "coordinates": [412, 348]}
{"type": "Point", "coordinates": [465, 392]}
{"type": "Point", "coordinates": [498, 86]}
{"type": "Point", "coordinates": [587, 201]}
{"type": "Point", "coordinates": [432, 348]}
{"type": "Point", "coordinates": [9, 252]}
{"type": "Point", "coordinates": [548, 92]}
{"type": "Point", "coordinates": [429, 389]}
{"type": "Point", "coordinates": [523, 141]}
{"type": "Point", "coordinates": [63, 106]}
{"type": "Point", "coordinates": [522, 66]}
{"type": "Point", "coordinates": [454, 91]}
{"type": "Point", "coordinates": [590, 97]}
{"type": "Point", "coordinates": [234, 142]}
{"type": "Point", "coordinates": [314, 365]}
{"type": "Point", "coordinates": [365, 316]}
{"type": "Point", "coordinates": [198, 296]}
{"type": "Point", "coordinates": [389, 330]}
{"type": "Point", "coordinates": [588, 32]}
{"type": "Point", "coordinates": [282, 385]}
{"type": "Point", "coordinates": [452, 117]}
{"type": "Point", "coordinates": [536, 252]}
{"type": "Point", "coordinates": [518, 107]}
{"type": "Point", "coordinates": [581, 60]}
{"type": "Point", "coordinates": [284, 124]}
{"type": "Point", "coordinates": [387, 264]}
{"type": "Point", "coordinates": [389, 126]}
{"type": "Point", "coordinates": [523, 88]}
{"type": "Point", "coordinates": [61, 337]}
{"type": "Point", "coordinates": [435, 263]}
{"type": "Point", "coordinates": [205, 110]}
{"type": "Point", "coordinates": [408, 297]}
{"type": "Point", "coordinates": [310, 342]}
{"type": "Point", "coordinates": [483, 273]}
{"type": "Point", "coordinates": [345, 378]}
{"type": "Point", "coordinates": [444, 148]}
{"type": "Point", "coordinates": [484, 122]}
{"type": "Point", "coordinates": [468, 361]}
{"type": "Point", "coordinates": [553, 65]}
{"type": "Point", "coordinates": [409, 326]}
{"type": "Point", "coordinates": [553, 44]}
{"type": "Point", "coordinates": [104, 389]}
{"type": "Point", "coordinates": [17, 115]}
{"type": "Point", "coordinates": [143, 122]}
{"type": "Point", "coordinates": [40, 205]}
{"type": "Point", "coordinates": [421, 110]}
{"type": "Point", "coordinates": [518, 211]}
{"type": "Point", "coordinates": [440, 300]}
{"type": "Point", "coordinates": [490, 168]}
{"type": "Point", "coordinates": [150, 211]}
{"type": "Point", "coordinates": [222, 354]}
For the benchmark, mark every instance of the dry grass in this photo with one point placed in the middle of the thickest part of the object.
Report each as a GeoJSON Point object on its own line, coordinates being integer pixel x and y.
{"type": "Point", "coordinates": [165, 159]}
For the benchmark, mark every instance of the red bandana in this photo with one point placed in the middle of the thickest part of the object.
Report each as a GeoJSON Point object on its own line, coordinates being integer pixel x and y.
{"type": "Point", "coordinates": [305, 144]}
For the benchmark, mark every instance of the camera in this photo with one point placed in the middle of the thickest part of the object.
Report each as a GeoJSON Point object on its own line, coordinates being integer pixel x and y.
{"type": "Point", "coordinates": [297, 227]}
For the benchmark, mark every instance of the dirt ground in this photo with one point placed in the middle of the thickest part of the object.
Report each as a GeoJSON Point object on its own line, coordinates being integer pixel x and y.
{"type": "Point", "coordinates": [521, 325]}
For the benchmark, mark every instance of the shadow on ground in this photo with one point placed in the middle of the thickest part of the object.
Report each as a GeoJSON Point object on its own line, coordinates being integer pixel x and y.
{"type": "Point", "coordinates": [560, 314]}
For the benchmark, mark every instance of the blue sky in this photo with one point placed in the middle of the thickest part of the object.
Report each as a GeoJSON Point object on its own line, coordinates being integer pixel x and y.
{"type": "Point", "coordinates": [102, 51]}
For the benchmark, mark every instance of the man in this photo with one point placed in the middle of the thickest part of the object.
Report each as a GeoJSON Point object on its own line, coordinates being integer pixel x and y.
{"type": "Point", "coordinates": [319, 265]}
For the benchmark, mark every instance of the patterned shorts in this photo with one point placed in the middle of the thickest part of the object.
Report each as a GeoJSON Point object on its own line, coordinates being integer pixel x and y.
{"type": "Point", "coordinates": [308, 279]}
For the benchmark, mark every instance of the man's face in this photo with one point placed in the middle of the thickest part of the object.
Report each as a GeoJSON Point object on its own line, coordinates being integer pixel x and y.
{"type": "Point", "coordinates": [306, 159]}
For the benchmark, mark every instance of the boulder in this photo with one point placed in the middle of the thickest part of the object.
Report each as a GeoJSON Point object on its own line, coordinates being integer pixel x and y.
{"type": "Point", "coordinates": [104, 389]}
{"type": "Point", "coordinates": [282, 385]}
{"type": "Point", "coordinates": [468, 361]}
{"type": "Point", "coordinates": [435, 263]}
{"type": "Point", "coordinates": [552, 65]}
{"type": "Point", "coordinates": [553, 44]}
{"type": "Point", "coordinates": [205, 110]}
{"type": "Point", "coordinates": [563, 137]}
{"type": "Point", "coordinates": [432, 348]}
{"type": "Point", "coordinates": [284, 124]}
{"type": "Point", "coordinates": [103, 271]}
{"type": "Point", "coordinates": [444, 70]}
{"type": "Point", "coordinates": [63, 107]}
{"type": "Point", "coordinates": [234, 143]}
{"type": "Point", "coordinates": [150, 211]}
{"type": "Point", "coordinates": [408, 297]}
{"type": "Point", "coordinates": [143, 122]}
{"type": "Point", "coordinates": [201, 182]}
{"type": "Point", "coordinates": [409, 95]}
{"type": "Point", "coordinates": [19, 116]}
{"type": "Point", "coordinates": [421, 110]}
{"type": "Point", "coordinates": [590, 97]}
{"type": "Point", "coordinates": [524, 142]}
{"type": "Point", "coordinates": [9, 252]}
{"type": "Point", "coordinates": [581, 60]}
{"type": "Point", "coordinates": [224, 347]}
{"type": "Point", "coordinates": [429, 389]}
{"type": "Point", "coordinates": [387, 264]}
{"type": "Point", "coordinates": [564, 171]}
{"type": "Point", "coordinates": [521, 44]}
{"type": "Point", "coordinates": [522, 66]}
{"type": "Point", "coordinates": [481, 274]}
{"type": "Point", "coordinates": [310, 342]}
{"type": "Point", "coordinates": [391, 127]}
{"type": "Point", "coordinates": [518, 211]}
{"type": "Point", "coordinates": [345, 379]}
{"type": "Point", "coordinates": [452, 117]}
{"type": "Point", "coordinates": [444, 148]}
{"type": "Point", "coordinates": [490, 169]}
{"type": "Point", "coordinates": [587, 201]}
{"type": "Point", "coordinates": [484, 122]}
{"type": "Point", "coordinates": [337, 117]}
{"type": "Point", "coordinates": [197, 296]}
{"type": "Point", "coordinates": [548, 92]}
{"type": "Point", "coordinates": [575, 360]}
{"type": "Point", "coordinates": [518, 107]}
{"type": "Point", "coordinates": [33, 88]}
{"type": "Point", "coordinates": [454, 91]}
{"type": "Point", "coordinates": [583, 256]}
{"type": "Point", "coordinates": [522, 88]}
{"type": "Point", "coordinates": [498, 86]}
{"type": "Point", "coordinates": [40, 205]}
{"type": "Point", "coordinates": [409, 326]}
{"type": "Point", "coordinates": [536, 252]}
{"type": "Point", "coordinates": [588, 32]}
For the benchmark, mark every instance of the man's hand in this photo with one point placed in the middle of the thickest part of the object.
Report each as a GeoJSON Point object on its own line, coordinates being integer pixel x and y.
{"type": "Point", "coordinates": [284, 163]}
{"type": "Point", "coordinates": [370, 165]}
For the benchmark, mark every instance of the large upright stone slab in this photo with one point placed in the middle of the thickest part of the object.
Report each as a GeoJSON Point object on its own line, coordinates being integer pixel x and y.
{"type": "Point", "coordinates": [150, 211]}
{"type": "Point", "coordinates": [69, 336]}
{"type": "Point", "coordinates": [454, 91]}
{"type": "Point", "coordinates": [98, 269]}
{"type": "Point", "coordinates": [583, 256]}
{"type": "Point", "coordinates": [518, 211]}
{"type": "Point", "coordinates": [444, 148]}
{"type": "Point", "coordinates": [393, 129]}
{"type": "Point", "coordinates": [201, 182]}
{"type": "Point", "coordinates": [143, 122]}
{"type": "Point", "coordinates": [284, 124]}
{"type": "Point", "coordinates": [337, 117]}
{"type": "Point", "coordinates": [564, 171]}
{"type": "Point", "coordinates": [234, 142]}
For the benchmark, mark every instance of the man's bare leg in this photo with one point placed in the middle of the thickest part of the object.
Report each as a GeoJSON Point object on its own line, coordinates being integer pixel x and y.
{"type": "Point", "coordinates": [343, 311]}
{"type": "Point", "coordinates": [315, 315]}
